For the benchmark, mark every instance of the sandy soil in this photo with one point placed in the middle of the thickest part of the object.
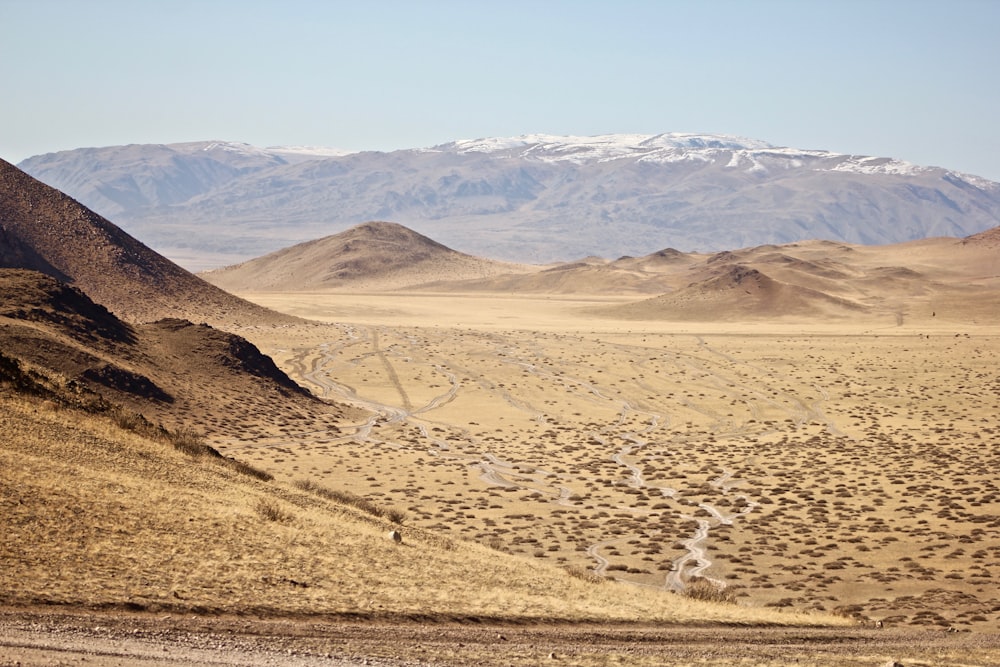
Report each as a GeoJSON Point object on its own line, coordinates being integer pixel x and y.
{"type": "Point", "coordinates": [40, 637]}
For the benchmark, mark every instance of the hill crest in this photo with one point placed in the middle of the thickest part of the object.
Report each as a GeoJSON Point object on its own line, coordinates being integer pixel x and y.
{"type": "Point", "coordinates": [373, 255]}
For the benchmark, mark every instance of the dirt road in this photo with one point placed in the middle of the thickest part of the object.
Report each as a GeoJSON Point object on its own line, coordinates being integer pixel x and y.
{"type": "Point", "coordinates": [104, 639]}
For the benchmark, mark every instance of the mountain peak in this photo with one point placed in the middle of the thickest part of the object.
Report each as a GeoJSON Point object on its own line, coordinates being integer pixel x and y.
{"type": "Point", "coordinates": [373, 254]}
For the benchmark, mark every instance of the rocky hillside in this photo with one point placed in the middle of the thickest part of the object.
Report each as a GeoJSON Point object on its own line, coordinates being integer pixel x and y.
{"type": "Point", "coordinates": [171, 371]}
{"type": "Point", "coordinates": [45, 230]}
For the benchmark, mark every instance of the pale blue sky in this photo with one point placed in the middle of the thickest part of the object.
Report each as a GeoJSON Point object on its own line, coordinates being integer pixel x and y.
{"type": "Point", "coordinates": [911, 79]}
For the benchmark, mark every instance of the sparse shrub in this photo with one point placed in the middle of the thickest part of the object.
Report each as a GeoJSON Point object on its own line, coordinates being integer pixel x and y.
{"type": "Point", "coordinates": [130, 420]}
{"type": "Point", "coordinates": [190, 442]}
{"type": "Point", "coordinates": [308, 485]}
{"type": "Point", "coordinates": [392, 514]}
{"type": "Point", "coordinates": [272, 512]}
{"type": "Point", "coordinates": [703, 589]}
{"type": "Point", "coordinates": [496, 543]}
{"type": "Point", "coordinates": [584, 574]}
{"type": "Point", "coordinates": [396, 515]}
{"type": "Point", "coordinates": [854, 611]}
{"type": "Point", "coordinates": [249, 470]}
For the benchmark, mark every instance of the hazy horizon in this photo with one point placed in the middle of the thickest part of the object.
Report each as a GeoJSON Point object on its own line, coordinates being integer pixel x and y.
{"type": "Point", "coordinates": [889, 78]}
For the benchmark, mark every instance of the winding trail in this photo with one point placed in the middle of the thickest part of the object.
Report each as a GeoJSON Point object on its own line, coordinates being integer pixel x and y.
{"type": "Point", "coordinates": [445, 398]}
{"type": "Point", "coordinates": [391, 372]}
{"type": "Point", "coordinates": [601, 569]}
{"type": "Point", "coordinates": [678, 576]}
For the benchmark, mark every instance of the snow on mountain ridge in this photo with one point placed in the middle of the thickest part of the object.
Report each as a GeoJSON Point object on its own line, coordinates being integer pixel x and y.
{"type": "Point", "coordinates": [237, 147]}
{"type": "Point", "coordinates": [876, 165]}
{"type": "Point", "coordinates": [748, 155]}
{"type": "Point", "coordinates": [977, 181]}
{"type": "Point", "coordinates": [600, 148]}
{"type": "Point", "coordinates": [310, 151]}
{"type": "Point", "coordinates": [285, 152]}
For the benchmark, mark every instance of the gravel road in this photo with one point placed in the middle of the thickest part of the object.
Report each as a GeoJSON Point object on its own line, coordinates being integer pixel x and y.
{"type": "Point", "coordinates": [36, 637]}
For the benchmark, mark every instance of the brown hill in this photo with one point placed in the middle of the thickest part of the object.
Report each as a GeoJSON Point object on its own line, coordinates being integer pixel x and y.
{"type": "Point", "coordinates": [374, 255]}
{"type": "Point", "coordinates": [661, 260]}
{"type": "Point", "coordinates": [650, 274]}
{"type": "Point", "coordinates": [989, 238]}
{"type": "Point", "coordinates": [172, 371]}
{"type": "Point", "coordinates": [931, 279]}
{"type": "Point", "coordinates": [957, 279]}
{"type": "Point", "coordinates": [738, 292]}
{"type": "Point", "coordinates": [573, 278]}
{"type": "Point", "coordinates": [44, 230]}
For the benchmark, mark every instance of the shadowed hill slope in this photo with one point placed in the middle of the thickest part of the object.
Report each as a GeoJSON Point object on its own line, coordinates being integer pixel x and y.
{"type": "Point", "coordinates": [172, 371]}
{"type": "Point", "coordinates": [45, 230]}
{"type": "Point", "coordinates": [374, 255]}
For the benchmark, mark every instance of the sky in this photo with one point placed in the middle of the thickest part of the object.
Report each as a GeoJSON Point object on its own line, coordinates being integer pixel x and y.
{"type": "Point", "coordinates": [910, 79]}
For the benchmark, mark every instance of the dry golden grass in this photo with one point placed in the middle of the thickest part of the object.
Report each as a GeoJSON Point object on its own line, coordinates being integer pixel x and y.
{"type": "Point", "coordinates": [98, 516]}
{"type": "Point", "coordinates": [835, 467]}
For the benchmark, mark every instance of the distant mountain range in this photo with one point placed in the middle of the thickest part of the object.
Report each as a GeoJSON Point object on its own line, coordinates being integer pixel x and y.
{"type": "Point", "coordinates": [535, 198]}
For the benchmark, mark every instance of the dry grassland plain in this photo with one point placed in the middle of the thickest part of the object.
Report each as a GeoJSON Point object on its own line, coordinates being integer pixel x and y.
{"type": "Point", "coordinates": [848, 467]}
{"type": "Point", "coordinates": [144, 527]}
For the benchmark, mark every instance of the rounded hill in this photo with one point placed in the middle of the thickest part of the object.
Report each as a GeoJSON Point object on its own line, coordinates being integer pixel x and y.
{"type": "Point", "coordinates": [373, 255]}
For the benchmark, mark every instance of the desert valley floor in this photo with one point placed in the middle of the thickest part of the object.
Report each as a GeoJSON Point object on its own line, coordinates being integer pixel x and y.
{"type": "Point", "coordinates": [844, 466]}
{"type": "Point", "coordinates": [806, 433]}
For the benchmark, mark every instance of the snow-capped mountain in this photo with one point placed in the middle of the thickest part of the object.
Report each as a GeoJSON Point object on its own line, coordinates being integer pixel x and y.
{"type": "Point", "coordinates": [738, 152]}
{"type": "Point", "coordinates": [528, 198]}
{"type": "Point", "coordinates": [601, 148]}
